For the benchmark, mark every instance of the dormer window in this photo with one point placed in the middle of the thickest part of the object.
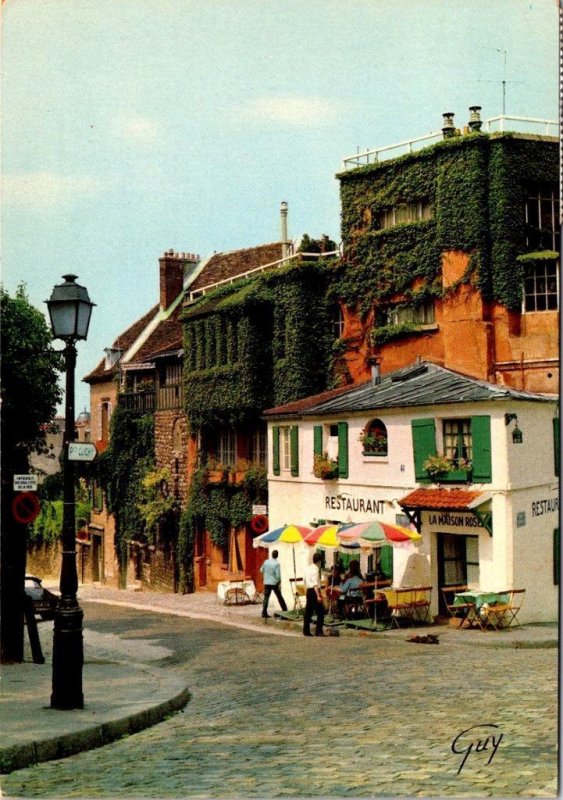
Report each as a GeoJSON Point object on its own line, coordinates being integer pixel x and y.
{"type": "Point", "coordinates": [113, 354]}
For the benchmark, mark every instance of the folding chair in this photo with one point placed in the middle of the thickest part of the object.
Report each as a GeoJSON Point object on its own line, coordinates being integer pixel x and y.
{"type": "Point", "coordinates": [420, 603]}
{"type": "Point", "coordinates": [514, 605]}
{"type": "Point", "coordinates": [495, 614]}
{"type": "Point", "coordinates": [464, 612]}
{"type": "Point", "coordinates": [298, 591]}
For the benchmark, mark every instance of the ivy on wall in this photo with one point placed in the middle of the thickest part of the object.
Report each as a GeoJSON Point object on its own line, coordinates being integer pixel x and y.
{"type": "Point", "coordinates": [121, 470]}
{"type": "Point", "coordinates": [475, 186]}
{"type": "Point", "coordinates": [258, 343]}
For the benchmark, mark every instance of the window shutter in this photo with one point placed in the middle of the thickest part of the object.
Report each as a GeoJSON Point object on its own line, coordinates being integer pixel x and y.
{"type": "Point", "coordinates": [342, 449]}
{"type": "Point", "coordinates": [556, 445]}
{"type": "Point", "coordinates": [481, 442]}
{"type": "Point", "coordinates": [318, 440]}
{"type": "Point", "coordinates": [386, 560]}
{"type": "Point", "coordinates": [423, 445]}
{"type": "Point", "coordinates": [276, 449]}
{"type": "Point", "coordinates": [294, 442]}
{"type": "Point", "coordinates": [556, 556]}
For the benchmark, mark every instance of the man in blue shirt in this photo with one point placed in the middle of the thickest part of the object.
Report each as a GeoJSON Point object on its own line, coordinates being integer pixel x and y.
{"type": "Point", "coordinates": [271, 572]}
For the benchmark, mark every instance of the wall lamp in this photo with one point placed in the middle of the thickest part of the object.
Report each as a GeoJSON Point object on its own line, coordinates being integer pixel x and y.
{"type": "Point", "coordinates": [517, 436]}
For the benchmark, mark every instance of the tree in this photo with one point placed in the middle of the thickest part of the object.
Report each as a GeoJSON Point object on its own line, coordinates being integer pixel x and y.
{"type": "Point", "coordinates": [30, 394]}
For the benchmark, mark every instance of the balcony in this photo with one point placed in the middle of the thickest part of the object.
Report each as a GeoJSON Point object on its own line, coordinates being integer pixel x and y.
{"type": "Point", "coordinates": [141, 402]}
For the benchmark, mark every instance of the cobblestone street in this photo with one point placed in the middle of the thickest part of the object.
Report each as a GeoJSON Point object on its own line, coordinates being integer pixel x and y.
{"type": "Point", "coordinates": [350, 716]}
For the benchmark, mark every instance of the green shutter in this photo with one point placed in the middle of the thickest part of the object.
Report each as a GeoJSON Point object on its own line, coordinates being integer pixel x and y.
{"type": "Point", "coordinates": [423, 444]}
{"type": "Point", "coordinates": [481, 443]}
{"type": "Point", "coordinates": [294, 442]}
{"type": "Point", "coordinates": [556, 444]}
{"type": "Point", "coordinates": [386, 560]}
{"type": "Point", "coordinates": [318, 440]}
{"type": "Point", "coordinates": [276, 449]}
{"type": "Point", "coordinates": [342, 449]}
{"type": "Point", "coordinates": [556, 556]}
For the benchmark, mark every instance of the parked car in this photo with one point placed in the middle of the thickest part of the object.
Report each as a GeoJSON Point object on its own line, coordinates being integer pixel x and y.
{"type": "Point", "coordinates": [44, 601]}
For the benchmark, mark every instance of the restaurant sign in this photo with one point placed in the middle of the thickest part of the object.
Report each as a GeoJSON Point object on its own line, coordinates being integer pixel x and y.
{"type": "Point", "coordinates": [447, 521]}
{"type": "Point", "coordinates": [358, 505]}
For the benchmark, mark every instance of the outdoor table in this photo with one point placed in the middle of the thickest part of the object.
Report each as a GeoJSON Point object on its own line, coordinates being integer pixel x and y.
{"type": "Point", "coordinates": [236, 592]}
{"type": "Point", "coordinates": [478, 599]}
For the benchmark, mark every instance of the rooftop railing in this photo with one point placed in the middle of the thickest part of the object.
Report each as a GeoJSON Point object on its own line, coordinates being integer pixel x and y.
{"type": "Point", "coordinates": [262, 268]}
{"type": "Point", "coordinates": [501, 123]}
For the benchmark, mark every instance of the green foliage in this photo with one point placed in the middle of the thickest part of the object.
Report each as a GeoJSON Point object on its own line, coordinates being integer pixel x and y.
{"type": "Point", "coordinates": [258, 343]}
{"type": "Point", "coordinates": [154, 505]}
{"type": "Point", "coordinates": [30, 391]}
{"type": "Point", "coordinates": [48, 525]}
{"type": "Point", "coordinates": [121, 470]}
{"type": "Point", "coordinates": [476, 186]}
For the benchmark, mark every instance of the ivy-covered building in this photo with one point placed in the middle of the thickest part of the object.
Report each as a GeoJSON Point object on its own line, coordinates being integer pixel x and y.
{"type": "Point", "coordinates": [451, 253]}
{"type": "Point", "coordinates": [264, 338]}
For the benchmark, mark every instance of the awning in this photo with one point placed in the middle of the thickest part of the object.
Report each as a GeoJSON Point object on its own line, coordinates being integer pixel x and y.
{"type": "Point", "coordinates": [446, 500]}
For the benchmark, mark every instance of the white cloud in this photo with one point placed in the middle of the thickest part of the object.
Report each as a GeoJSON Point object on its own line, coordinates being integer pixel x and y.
{"type": "Point", "coordinates": [139, 129]}
{"type": "Point", "coordinates": [295, 110]}
{"type": "Point", "coordinates": [47, 189]}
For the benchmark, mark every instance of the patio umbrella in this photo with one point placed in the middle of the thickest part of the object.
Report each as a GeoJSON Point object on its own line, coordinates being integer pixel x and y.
{"type": "Point", "coordinates": [287, 534]}
{"type": "Point", "coordinates": [325, 535]}
{"type": "Point", "coordinates": [377, 534]}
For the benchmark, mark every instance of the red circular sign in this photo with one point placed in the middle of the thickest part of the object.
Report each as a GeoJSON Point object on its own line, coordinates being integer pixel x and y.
{"type": "Point", "coordinates": [259, 523]}
{"type": "Point", "coordinates": [25, 507]}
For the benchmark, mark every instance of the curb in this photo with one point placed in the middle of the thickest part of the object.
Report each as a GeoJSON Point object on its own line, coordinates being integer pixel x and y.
{"type": "Point", "coordinates": [26, 755]}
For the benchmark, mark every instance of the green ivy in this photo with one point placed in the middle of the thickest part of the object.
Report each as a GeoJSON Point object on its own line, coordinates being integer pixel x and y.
{"type": "Point", "coordinates": [121, 470]}
{"type": "Point", "coordinates": [476, 187]}
{"type": "Point", "coordinates": [48, 525]}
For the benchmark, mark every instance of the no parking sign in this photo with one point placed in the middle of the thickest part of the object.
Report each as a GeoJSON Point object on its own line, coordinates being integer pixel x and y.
{"type": "Point", "coordinates": [25, 507]}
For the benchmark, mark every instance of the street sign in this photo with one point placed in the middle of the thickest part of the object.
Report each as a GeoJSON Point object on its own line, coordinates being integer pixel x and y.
{"type": "Point", "coordinates": [25, 507]}
{"type": "Point", "coordinates": [25, 483]}
{"type": "Point", "coordinates": [257, 509]}
{"type": "Point", "coordinates": [81, 451]}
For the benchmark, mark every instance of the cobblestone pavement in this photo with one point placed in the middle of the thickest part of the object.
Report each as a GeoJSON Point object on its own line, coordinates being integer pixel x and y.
{"type": "Point", "coordinates": [354, 716]}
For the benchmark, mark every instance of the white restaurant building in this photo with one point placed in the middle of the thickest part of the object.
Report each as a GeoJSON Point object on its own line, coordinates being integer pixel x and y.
{"type": "Point", "coordinates": [489, 518]}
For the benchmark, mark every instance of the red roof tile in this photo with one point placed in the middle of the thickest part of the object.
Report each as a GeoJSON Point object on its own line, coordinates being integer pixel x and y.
{"type": "Point", "coordinates": [451, 499]}
{"type": "Point", "coordinates": [228, 265]}
{"type": "Point", "coordinates": [123, 342]}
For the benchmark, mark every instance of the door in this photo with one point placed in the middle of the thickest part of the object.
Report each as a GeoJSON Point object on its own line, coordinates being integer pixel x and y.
{"type": "Point", "coordinates": [458, 562]}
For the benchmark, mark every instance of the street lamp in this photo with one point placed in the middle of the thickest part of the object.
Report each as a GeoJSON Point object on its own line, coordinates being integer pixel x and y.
{"type": "Point", "coordinates": [69, 308]}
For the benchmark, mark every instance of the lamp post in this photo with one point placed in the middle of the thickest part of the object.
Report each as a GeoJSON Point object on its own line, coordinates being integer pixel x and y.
{"type": "Point", "coordinates": [69, 308]}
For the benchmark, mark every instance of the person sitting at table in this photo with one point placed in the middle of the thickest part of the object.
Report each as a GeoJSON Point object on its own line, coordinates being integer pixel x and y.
{"type": "Point", "coordinates": [350, 591]}
{"type": "Point", "coordinates": [334, 578]}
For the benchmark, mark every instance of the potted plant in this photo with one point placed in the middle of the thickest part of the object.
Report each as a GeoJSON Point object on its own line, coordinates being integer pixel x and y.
{"type": "Point", "coordinates": [324, 467]}
{"type": "Point", "coordinates": [373, 443]}
{"type": "Point", "coordinates": [439, 466]}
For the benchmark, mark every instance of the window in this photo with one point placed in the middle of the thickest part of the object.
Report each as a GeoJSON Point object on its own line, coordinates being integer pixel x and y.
{"type": "Point", "coordinates": [285, 449]}
{"type": "Point", "coordinates": [338, 322]}
{"type": "Point", "coordinates": [542, 218]}
{"type": "Point", "coordinates": [105, 414]}
{"type": "Point", "coordinates": [462, 439]}
{"type": "Point", "coordinates": [227, 447]}
{"type": "Point", "coordinates": [421, 314]}
{"type": "Point", "coordinates": [457, 441]}
{"type": "Point", "coordinates": [540, 286]}
{"type": "Point", "coordinates": [258, 446]}
{"type": "Point", "coordinates": [404, 213]}
{"type": "Point", "coordinates": [374, 438]}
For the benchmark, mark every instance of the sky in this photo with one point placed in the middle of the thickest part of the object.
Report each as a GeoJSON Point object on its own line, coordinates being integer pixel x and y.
{"type": "Point", "coordinates": [130, 127]}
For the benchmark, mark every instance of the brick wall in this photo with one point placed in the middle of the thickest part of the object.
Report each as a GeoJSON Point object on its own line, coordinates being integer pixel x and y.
{"type": "Point", "coordinates": [171, 445]}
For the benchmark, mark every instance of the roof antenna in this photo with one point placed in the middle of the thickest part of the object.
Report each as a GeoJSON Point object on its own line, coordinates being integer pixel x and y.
{"type": "Point", "coordinates": [504, 81]}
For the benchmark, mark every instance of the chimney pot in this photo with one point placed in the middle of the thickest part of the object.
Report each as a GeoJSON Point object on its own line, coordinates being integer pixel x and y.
{"type": "Point", "coordinates": [448, 127]}
{"type": "Point", "coordinates": [475, 122]}
{"type": "Point", "coordinates": [284, 237]}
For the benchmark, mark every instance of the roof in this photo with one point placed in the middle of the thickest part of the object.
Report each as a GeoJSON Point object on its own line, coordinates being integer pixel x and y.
{"type": "Point", "coordinates": [446, 499]}
{"type": "Point", "coordinates": [420, 384]}
{"type": "Point", "coordinates": [166, 336]}
{"type": "Point", "coordinates": [306, 403]}
{"type": "Point", "coordinates": [123, 342]}
{"type": "Point", "coordinates": [223, 266]}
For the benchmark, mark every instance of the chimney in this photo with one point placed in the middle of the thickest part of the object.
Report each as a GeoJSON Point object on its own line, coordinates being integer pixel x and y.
{"type": "Point", "coordinates": [284, 237]}
{"type": "Point", "coordinates": [475, 121]}
{"type": "Point", "coordinates": [375, 361]}
{"type": "Point", "coordinates": [448, 128]}
{"type": "Point", "coordinates": [172, 270]}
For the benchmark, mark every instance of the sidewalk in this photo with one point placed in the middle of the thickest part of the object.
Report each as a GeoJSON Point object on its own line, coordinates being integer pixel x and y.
{"type": "Point", "coordinates": [126, 693]}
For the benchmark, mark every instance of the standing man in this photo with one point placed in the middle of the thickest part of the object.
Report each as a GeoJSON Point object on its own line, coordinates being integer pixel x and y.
{"type": "Point", "coordinates": [271, 572]}
{"type": "Point", "coordinates": [314, 604]}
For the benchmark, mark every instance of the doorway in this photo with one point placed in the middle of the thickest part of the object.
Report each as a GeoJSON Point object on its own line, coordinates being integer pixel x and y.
{"type": "Point", "coordinates": [458, 562]}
